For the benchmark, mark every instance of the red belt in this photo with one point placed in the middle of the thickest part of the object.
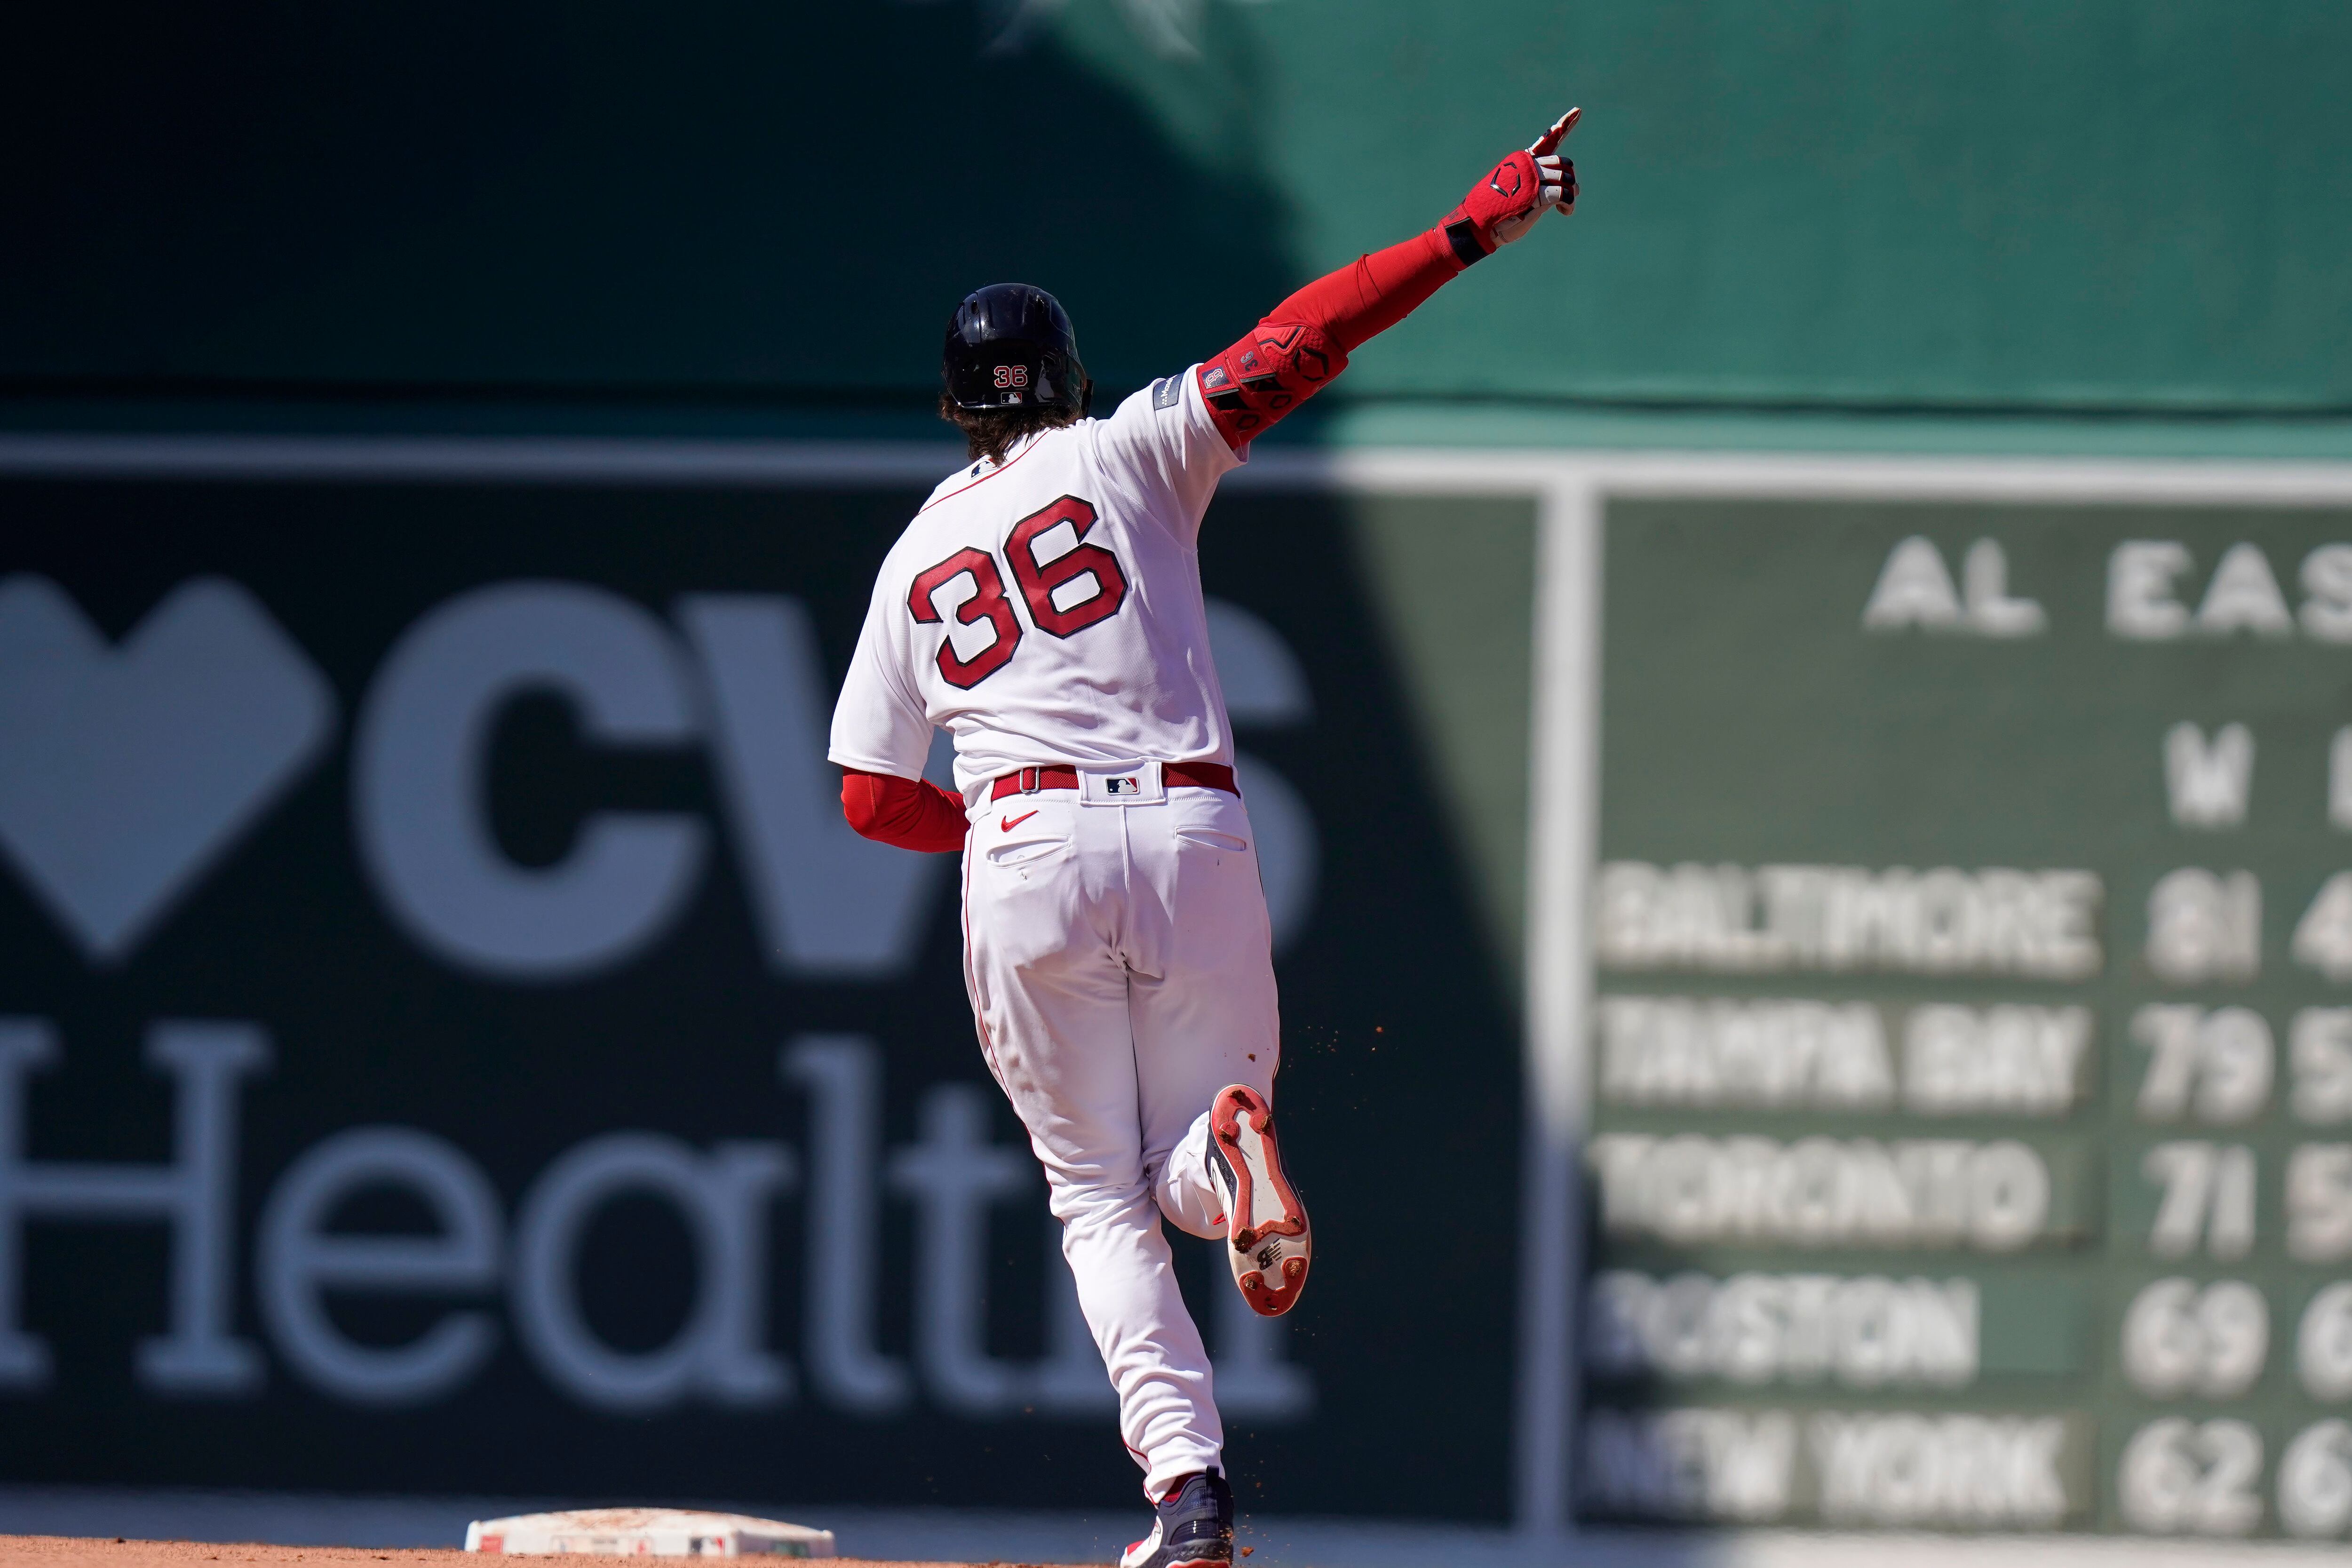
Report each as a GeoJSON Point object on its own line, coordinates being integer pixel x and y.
{"type": "Point", "coordinates": [1028, 781]}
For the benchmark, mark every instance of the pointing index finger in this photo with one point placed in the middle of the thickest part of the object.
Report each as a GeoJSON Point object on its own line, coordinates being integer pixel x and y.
{"type": "Point", "coordinates": [1558, 133]}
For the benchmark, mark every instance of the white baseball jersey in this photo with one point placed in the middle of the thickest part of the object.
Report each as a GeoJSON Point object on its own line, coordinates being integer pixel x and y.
{"type": "Point", "coordinates": [1048, 610]}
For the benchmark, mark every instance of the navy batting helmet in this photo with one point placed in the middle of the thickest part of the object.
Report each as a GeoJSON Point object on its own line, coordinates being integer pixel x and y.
{"type": "Point", "coordinates": [1010, 346]}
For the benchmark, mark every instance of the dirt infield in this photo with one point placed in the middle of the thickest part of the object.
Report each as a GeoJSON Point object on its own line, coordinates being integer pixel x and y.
{"type": "Point", "coordinates": [71, 1552]}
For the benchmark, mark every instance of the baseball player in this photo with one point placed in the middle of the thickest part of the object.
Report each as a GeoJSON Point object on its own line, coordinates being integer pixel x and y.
{"type": "Point", "coordinates": [1044, 608]}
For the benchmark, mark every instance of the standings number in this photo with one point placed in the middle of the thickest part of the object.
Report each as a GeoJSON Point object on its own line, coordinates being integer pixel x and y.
{"type": "Point", "coordinates": [1067, 584]}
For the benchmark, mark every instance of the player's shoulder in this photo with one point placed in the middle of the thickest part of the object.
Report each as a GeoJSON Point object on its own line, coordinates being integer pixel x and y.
{"type": "Point", "coordinates": [1166, 394]}
{"type": "Point", "coordinates": [969, 474]}
{"type": "Point", "coordinates": [979, 479]}
{"type": "Point", "coordinates": [1159, 400]}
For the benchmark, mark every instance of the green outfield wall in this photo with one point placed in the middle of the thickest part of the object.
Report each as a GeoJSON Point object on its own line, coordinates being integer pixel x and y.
{"type": "Point", "coordinates": [2003, 208]}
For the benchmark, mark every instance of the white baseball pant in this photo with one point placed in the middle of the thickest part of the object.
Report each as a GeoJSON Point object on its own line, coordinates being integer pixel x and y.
{"type": "Point", "coordinates": [1121, 972]}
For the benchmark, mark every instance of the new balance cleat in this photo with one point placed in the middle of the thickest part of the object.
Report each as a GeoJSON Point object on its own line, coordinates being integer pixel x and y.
{"type": "Point", "coordinates": [1193, 1524]}
{"type": "Point", "coordinates": [1267, 1240]}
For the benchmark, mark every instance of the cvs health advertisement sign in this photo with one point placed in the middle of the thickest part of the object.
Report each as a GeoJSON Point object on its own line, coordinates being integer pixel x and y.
{"type": "Point", "coordinates": [450, 1041]}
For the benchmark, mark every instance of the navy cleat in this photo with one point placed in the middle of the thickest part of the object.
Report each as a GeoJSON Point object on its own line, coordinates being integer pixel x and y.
{"type": "Point", "coordinates": [1194, 1524]}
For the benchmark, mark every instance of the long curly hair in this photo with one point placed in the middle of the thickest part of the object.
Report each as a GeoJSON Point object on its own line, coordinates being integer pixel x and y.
{"type": "Point", "coordinates": [991, 433]}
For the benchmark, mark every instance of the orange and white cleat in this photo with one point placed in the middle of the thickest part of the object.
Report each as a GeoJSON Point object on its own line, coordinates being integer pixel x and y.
{"type": "Point", "coordinates": [1267, 1240]}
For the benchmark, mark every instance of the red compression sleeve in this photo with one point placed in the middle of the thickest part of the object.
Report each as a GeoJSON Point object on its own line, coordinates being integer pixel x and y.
{"type": "Point", "coordinates": [1360, 301]}
{"type": "Point", "coordinates": [1304, 341]}
{"type": "Point", "coordinates": [913, 814]}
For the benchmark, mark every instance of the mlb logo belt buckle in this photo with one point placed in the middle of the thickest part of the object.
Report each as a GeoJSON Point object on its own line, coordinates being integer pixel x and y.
{"type": "Point", "coordinates": [1127, 783]}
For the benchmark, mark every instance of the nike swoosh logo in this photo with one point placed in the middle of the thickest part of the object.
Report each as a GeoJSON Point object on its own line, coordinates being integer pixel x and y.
{"type": "Point", "coordinates": [1010, 823]}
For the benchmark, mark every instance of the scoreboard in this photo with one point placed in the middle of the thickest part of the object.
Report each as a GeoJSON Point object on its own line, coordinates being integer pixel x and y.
{"type": "Point", "coordinates": [1970, 1055]}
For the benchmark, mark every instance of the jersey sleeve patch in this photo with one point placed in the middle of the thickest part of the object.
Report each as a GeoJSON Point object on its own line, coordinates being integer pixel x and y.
{"type": "Point", "coordinates": [1167, 392]}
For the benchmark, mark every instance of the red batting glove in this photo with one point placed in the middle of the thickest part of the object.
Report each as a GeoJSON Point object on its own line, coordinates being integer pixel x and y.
{"type": "Point", "coordinates": [1520, 189]}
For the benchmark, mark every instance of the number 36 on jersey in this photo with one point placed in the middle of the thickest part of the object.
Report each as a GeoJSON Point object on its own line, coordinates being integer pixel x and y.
{"type": "Point", "coordinates": [1067, 584]}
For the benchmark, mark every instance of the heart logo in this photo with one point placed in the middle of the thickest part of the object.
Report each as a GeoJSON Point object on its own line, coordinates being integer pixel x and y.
{"type": "Point", "coordinates": [126, 772]}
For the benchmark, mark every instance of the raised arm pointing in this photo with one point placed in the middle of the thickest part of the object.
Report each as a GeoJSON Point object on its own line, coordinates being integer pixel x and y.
{"type": "Point", "coordinates": [1304, 341]}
